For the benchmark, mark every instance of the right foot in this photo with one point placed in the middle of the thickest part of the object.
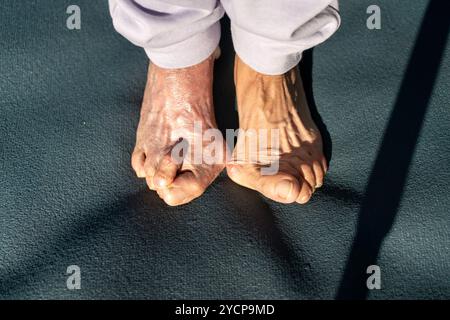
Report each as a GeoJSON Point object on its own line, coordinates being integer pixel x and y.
{"type": "Point", "coordinates": [175, 100]}
{"type": "Point", "coordinates": [275, 108]}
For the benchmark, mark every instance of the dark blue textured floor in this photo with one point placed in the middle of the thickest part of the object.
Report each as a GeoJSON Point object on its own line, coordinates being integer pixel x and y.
{"type": "Point", "coordinates": [69, 106]}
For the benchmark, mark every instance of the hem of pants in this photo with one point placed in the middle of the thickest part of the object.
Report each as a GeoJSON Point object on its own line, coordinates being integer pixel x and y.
{"type": "Point", "coordinates": [275, 57]}
{"type": "Point", "coordinates": [252, 49]}
{"type": "Point", "coordinates": [189, 52]}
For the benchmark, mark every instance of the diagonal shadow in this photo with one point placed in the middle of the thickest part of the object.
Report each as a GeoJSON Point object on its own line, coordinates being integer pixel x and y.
{"type": "Point", "coordinates": [257, 217]}
{"type": "Point", "coordinates": [381, 200]}
{"type": "Point", "coordinates": [289, 259]}
{"type": "Point", "coordinates": [69, 240]}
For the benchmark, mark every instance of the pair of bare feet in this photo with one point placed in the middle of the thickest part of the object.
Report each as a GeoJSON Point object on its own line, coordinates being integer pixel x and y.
{"type": "Point", "coordinates": [177, 100]}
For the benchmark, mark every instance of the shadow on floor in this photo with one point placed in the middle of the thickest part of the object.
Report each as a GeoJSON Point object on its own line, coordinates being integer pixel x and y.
{"type": "Point", "coordinates": [382, 199]}
{"type": "Point", "coordinates": [252, 212]}
{"type": "Point", "coordinates": [65, 244]}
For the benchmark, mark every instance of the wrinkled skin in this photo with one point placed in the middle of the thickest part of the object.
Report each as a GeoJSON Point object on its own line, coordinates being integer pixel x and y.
{"type": "Point", "coordinates": [173, 100]}
{"type": "Point", "coordinates": [176, 99]}
{"type": "Point", "coordinates": [277, 102]}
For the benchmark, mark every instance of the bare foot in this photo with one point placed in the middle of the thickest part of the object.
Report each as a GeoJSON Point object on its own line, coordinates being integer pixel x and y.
{"type": "Point", "coordinates": [276, 102]}
{"type": "Point", "coordinates": [175, 102]}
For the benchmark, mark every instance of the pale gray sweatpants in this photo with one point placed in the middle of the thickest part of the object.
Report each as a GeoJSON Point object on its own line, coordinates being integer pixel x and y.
{"type": "Point", "coordinates": [268, 35]}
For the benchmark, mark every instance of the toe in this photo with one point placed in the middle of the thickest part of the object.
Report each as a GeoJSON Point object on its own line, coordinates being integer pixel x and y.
{"type": "Point", "coordinates": [324, 164]}
{"type": "Point", "coordinates": [305, 193]}
{"type": "Point", "coordinates": [319, 174]}
{"type": "Point", "coordinates": [185, 188]}
{"type": "Point", "coordinates": [137, 162]}
{"type": "Point", "coordinates": [165, 172]}
{"type": "Point", "coordinates": [281, 187]}
{"type": "Point", "coordinates": [150, 184]}
{"type": "Point", "coordinates": [308, 174]}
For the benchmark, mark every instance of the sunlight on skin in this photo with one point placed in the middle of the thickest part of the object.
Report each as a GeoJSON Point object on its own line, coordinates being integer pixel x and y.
{"type": "Point", "coordinates": [174, 100]}
{"type": "Point", "coordinates": [277, 102]}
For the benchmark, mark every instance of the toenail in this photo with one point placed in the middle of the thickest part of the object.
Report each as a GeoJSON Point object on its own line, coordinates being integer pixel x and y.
{"type": "Point", "coordinates": [284, 188]}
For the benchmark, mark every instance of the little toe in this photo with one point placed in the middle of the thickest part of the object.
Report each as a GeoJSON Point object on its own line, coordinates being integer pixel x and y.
{"type": "Point", "coordinates": [137, 162]}
{"type": "Point", "coordinates": [324, 164]}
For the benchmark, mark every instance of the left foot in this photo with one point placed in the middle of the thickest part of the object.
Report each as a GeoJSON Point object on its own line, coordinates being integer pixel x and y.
{"type": "Point", "coordinates": [276, 102]}
{"type": "Point", "coordinates": [176, 115]}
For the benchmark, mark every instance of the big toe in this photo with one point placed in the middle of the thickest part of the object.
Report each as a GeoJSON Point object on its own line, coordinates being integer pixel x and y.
{"type": "Point", "coordinates": [281, 187]}
{"type": "Point", "coordinates": [138, 161]}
